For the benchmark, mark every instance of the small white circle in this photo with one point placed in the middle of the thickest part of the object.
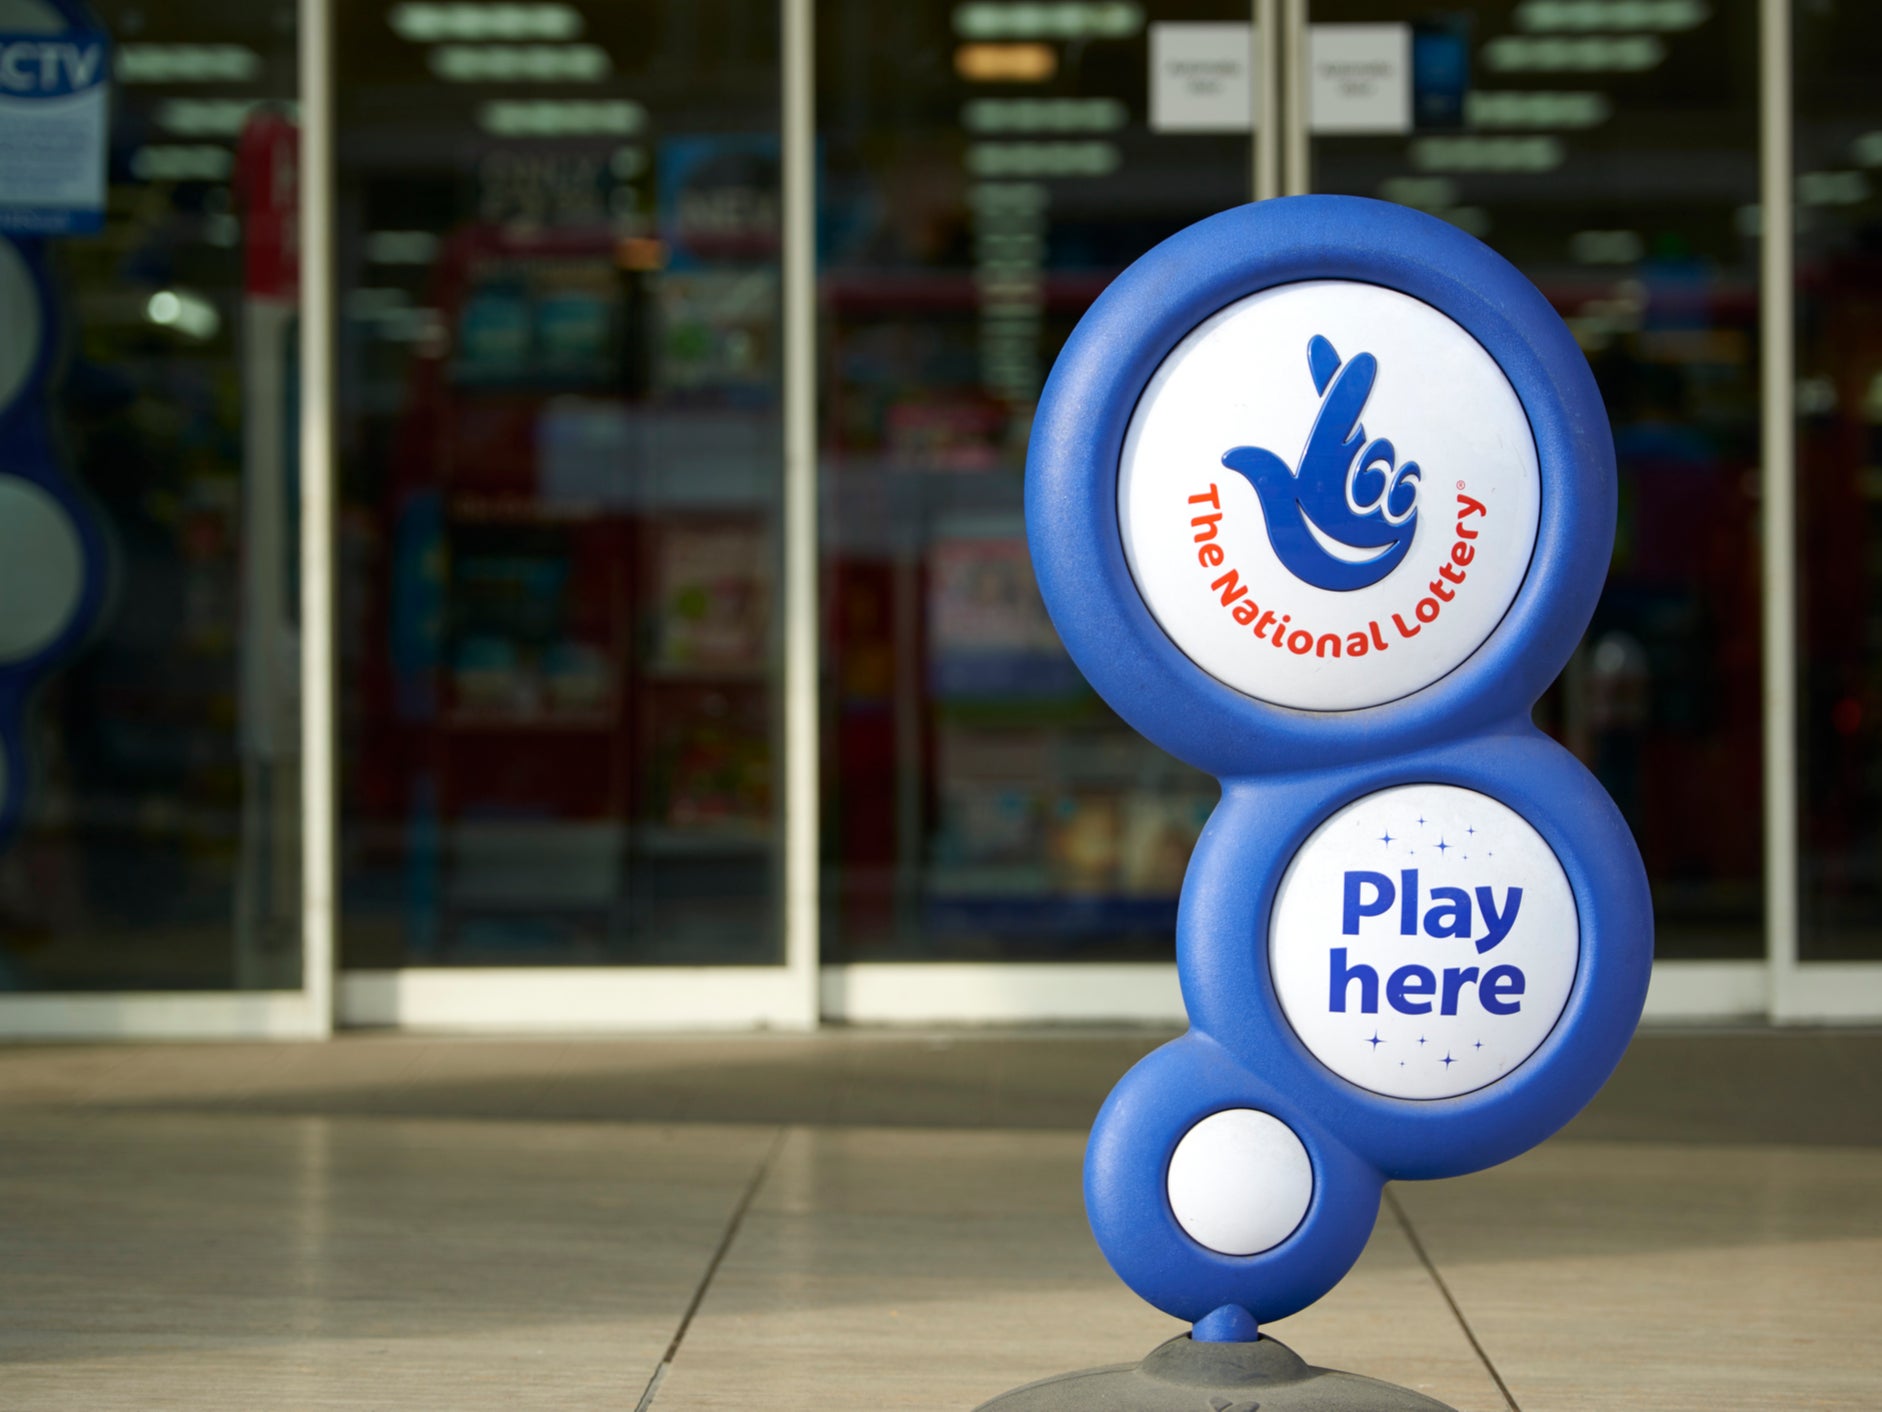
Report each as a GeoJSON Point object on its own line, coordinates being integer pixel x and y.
{"type": "Point", "coordinates": [1424, 941]}
{"type": "Point", "coordinates": [41, 568]}
{"type": "Point", "coordinates": [1240, 1182]}
{"type": "Point", "coordinates": [1328, 495]}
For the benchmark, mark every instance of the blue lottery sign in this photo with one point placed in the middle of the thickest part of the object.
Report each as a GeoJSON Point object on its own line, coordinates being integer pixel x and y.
{"type": "Point", "coordinates": [1320, 497]}
{"type": "Point", "coordinates": [53, 551]}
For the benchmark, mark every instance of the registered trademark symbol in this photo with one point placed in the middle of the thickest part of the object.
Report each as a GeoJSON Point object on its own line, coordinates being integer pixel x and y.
{"type": "Point", "coordinates": [1460, 485]}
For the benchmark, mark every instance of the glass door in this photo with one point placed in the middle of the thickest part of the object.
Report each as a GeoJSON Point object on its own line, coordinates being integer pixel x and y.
{"type": "Point", "coordinates": [558, 236]}
{"type": "Point", "coordinates": [1837, 151]}
{"type": "Point", "coordinates": [997, 844]}
{"type": "Point", "coordinates": [150, 754]}
{"type": "Point", "coordinates": [1612, 154]}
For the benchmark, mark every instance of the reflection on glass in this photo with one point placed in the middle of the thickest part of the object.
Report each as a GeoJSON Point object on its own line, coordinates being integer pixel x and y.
{"type": "Point", "coordinates": [1619, 172]}
{"type": "Point", "coordinates": [559, 274]}
{"type": "Point", "coordinates": [1839, 454]}
{"type": "Point", "coordinates": [149, 806]}
{"type": "Point", "coordinates": [977, 193]}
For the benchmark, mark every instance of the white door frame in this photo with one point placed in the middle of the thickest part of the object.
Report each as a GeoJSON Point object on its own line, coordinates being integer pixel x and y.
{"type": "Point", "coordinates": [936, 993]}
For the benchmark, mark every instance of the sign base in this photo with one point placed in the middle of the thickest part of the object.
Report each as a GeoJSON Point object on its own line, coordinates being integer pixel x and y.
{"type": "Point", "coordinates": [1186, 1376]}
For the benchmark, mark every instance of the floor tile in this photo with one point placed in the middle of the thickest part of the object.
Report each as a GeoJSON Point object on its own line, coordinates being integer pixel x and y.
{"type": "Point", "coordinates": [1800, 1087]}
{"type": "Point", "coordinates": [935, 1270]}
{"type": "Point", "coordinates": [1677, 1278]}
{"type": "Point", "coordinates": [190, 1262]}
{"type": "Point", "coordinates": [400, 1223]}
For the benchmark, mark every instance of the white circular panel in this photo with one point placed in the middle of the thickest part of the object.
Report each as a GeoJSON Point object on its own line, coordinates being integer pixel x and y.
{"type": "Point", "coordinates": [1240, 1182]}
{"type": "Point", "coordinates": [41, 568]}
{"type": "Point", "coordinates": [1424, 941]}
{"type": "Point", "coordinates": [1328, 495]}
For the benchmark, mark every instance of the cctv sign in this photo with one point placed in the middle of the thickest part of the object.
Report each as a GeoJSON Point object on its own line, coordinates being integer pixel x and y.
{"type": "Point", "coordinates": [55, 92]}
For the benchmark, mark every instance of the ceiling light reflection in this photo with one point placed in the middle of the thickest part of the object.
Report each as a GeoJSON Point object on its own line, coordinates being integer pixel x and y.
{"type": "Point", "coordinates": [1487, 154]}
{"type": "Point", "coordinates": [1515, 53]}
{"type": "Point", "coordinates": [1006, 63]}
{"type": "Point", "coordinates": [1832, 188]}
{"type": "Point", "coordinates": [554, 117]}
{"type": "Point", "coordinates": [189, 314]}
{"type": "Point", "coordinates": [1044, 115]}
{"type": "Point", "coordinates": [1666, 16]}
{"type": "Point", "coordinates": [1521, 108]}
{"type": "Point", "coordinates": [1114, 20]}
{"type": "Point", "coordinates": [512, 63]}
{"type": "Point", "coordinates": [184, 162]}
{"type": "Point", "coordinates": [434, 23]}
{"type": "Point", "coordinates": [1042, 159]}
{"type": "Point", "coordinates": [1606, 247]}
{"type": "Point", "coordinates": [186, 63]}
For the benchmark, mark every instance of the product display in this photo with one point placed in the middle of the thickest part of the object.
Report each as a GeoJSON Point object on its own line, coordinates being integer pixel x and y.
{"type": "Point", "coordinates": [577, 614]}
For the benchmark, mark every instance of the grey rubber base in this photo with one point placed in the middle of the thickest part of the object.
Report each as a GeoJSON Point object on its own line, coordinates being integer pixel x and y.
{"type": "Point", "coordinates": [1185, 1376]}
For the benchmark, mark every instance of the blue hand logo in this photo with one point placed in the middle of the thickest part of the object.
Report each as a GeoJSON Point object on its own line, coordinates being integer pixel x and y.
{"type": "Point", "coordinates": [1346, 519]}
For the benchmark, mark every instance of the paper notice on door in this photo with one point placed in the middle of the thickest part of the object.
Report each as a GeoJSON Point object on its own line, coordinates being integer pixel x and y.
{"type": "Point", "coordinates": [1360, 79]}
{"type": "Point", "coordinates": [1201, 78]}
{"type": "Point", "coordinates": [54, 110]}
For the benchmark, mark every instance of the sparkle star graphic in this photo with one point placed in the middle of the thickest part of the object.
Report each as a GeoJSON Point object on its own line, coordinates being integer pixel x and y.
{"type": "Point", "coordinates": [1387, 839]}
{"type": "Point", "coordinates": [1470, 830]}
{"type": "Point", "coordinates": [1442, 846]}
{"type": "Point", "coordinates": [1421, 1039]}
{"type": "Point", "coordinates": [1375, 1041]}
{"type": "Point", "coordinates": [1479, 1044]}
{"type": "Point", "coordinates": [1421, 818]}
{"type": "Point", "coordinates": [1447, 1061]}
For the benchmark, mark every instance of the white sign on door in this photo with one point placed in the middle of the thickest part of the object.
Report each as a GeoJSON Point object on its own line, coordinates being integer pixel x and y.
{"type": "Point", "coordinates": [1360, 78]}
{"type": "Point", "coordinates": [54, 114]}
{"type": "Point", "coordinates": [1201, 78]}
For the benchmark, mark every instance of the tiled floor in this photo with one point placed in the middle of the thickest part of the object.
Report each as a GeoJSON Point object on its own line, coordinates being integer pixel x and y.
{"type": "Point", "coordinates": [865, 1221]}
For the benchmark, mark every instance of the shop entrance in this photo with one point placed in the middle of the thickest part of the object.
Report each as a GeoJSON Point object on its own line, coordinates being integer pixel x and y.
{"type": "Point", "coordinates": [557, 472]}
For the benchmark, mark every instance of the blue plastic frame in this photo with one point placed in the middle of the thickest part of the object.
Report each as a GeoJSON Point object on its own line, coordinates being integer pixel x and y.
{"type": "Point", "coordinates": [1086, 407]}
{"type": "Point", "coordinates": [28, 450]}
{"type": "Point", "coordinates": [1285, 771]}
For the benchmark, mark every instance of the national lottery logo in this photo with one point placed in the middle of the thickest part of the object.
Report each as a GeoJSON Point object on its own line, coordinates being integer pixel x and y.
{"type": "Point", "coordinates": [1328, 495]}
{"type": "Point", "coordinates": [1344, 520]}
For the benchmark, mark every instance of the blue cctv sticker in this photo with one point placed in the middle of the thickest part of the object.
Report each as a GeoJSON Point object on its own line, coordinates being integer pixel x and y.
{"type": "Point", "coordinates": [1320, 497]}
{"type": "Point", "coordinates": [55, 116]}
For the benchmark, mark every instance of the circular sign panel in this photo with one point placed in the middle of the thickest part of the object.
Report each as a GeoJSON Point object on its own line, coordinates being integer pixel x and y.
{"type": "Point", "coordinates": [1328, 495]}
{"type": "Point", "coordinates": [20, 347]}
{"type": "Point", "coordinates": [42, 568]}
{"type": "Point", "coordinates": [1424, 941]}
